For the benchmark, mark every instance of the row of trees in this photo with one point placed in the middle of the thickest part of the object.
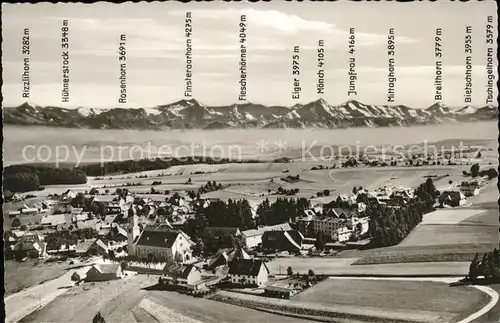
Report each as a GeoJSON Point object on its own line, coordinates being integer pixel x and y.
{"type": "Point", "coordinates": [282, 210]}
{"type": "Point", "coordinates": [389, 225]}
{"type": "Point", "coordinates": [488, 267]}
{"type": "Point", "coordinates": [234, 213]}
{"type": "Point", "coordinates": [284, 191]}
{"type": "Point", "coordinates": [135, 165]}
{"type": "Point", "coordinates": [21, 178]}
{"type": "Point", "coordinates": [475, 171]}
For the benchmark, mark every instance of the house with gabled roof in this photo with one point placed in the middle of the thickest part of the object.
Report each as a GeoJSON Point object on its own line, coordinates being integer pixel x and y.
{"type": "Point", "coordinates": [182, 275]}
{"type": "Point", "coordinates": [68, 195]}
{"type": "Point", "coordinates": [248, 272]}
{"type": "Point", "coordinates": [31, 246]}
{"type": "Point", "coordinates": [117, 237]}
{"type": "Point", "coordinates": [55, 219]}
{"type": "Point", "coordinates": [104, 272]}
{"type": "Point", "coordinates": [290, 240]}
{"type": "Point", "coordinates": [225, 256]}
{"type": "Point", "coordinates": [253, 237]}
{"type": "Point", "coordinates": [91, 247]}
{"type": "Point", "coordinates": [452, 198]}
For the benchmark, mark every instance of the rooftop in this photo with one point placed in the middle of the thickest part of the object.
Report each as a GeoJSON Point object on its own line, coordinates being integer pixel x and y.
{"type": "Point", "coordinates": [248, 267]}
{"type": "Point", "coordinates": [260, 231]}
{"type": "Point", "coordinates": [107, 268]}
{"type": "Point", "coordinates": [158, 238]}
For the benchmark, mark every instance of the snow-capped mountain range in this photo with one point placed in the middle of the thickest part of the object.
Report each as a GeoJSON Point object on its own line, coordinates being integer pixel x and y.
{"type": "Point", "coordinates": [189, 114]}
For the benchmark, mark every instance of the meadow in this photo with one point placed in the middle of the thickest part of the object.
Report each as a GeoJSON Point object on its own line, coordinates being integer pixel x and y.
{"type": "Point", "coordinates": [435, 299]}
{"type": "Point", "coordinates": [134, 300]}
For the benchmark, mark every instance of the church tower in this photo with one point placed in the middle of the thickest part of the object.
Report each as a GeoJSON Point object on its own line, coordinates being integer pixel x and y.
{"type": "Point", "coordinates": [133, 229]}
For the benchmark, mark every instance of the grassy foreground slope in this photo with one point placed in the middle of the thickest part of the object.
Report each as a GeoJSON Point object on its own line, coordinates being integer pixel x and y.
{"type": "Point", "coordinates": [433, 299]}
{"type": "Point", "coordinates": [123, 301]}
{"type": "Point", "coordinates": [454, 234]}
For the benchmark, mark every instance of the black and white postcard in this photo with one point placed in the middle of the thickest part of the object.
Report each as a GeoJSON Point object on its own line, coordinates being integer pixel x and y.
{"type": "Point", "coordinates": [251, 162]}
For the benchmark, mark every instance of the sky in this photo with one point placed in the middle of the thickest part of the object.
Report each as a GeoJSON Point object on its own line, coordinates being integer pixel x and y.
{"type": "Point", "coordinates": [156, 46]}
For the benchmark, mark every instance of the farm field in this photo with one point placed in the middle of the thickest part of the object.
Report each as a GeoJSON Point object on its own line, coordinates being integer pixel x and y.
{"type": "Point", "coordinates": [21, 275]}
{"type": "Point", "coordinates": [454, 234]}
{"type": "Point", "coordinates": [130, 300]}
{"type": "Point", "coordinates": [22, 303]}
{"type": "Point", "coordinates": [431, 243]}
{"type": "Point", "coordinates": [343, 267]}
{"type": "Point", "coordinates": [446, 303]}
{"type": "Point", "coordinates": [113, 299]}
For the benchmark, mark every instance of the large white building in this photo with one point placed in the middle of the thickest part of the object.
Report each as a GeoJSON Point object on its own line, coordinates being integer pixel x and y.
{"type": "Point", "coordinates": [342, 234]}
{"type": "Point", "coordinates": [254, 237]}
{"type": "Point", "coordinates": [248, 272]}
{"type": "Point", "coordinates": [362, 223]}
{"type": "Point", "coordinates": [469, 188]}
{"type": "Point", "coordinates": [158, 244]}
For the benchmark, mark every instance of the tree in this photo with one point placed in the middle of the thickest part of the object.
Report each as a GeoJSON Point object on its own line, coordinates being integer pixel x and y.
{"type": "Point", "coordinates": [492, 173]}
{"type": "Point", "coordinates": [16, 223]}
{"type": "Point", "coordinates": [311, 276]}
{"type": "Point", "coordinates": [101, 209]}
{"type": "Point", "coordinates": [20, 180]}
{"type": "Point", "coordinates": [75, 277]}
{"type": "Point", "coordinates": [320, 242]}
{"type": "Point", "coordinates": [474, 170]}
{"type": "Point", "coordinates": [474, 268]}
{"type": "Point", "coordinates": [198, 248]}
{"type": "Point", "coordinates": [98, 318]}
{"type": "Point", "coordinates": [326, 192]}
{"type": "Point", "coordinates": [94, 191]}
{"type": "Point", "coordinates": [354, 190]}
{"type": "Point", "coordinates": [289, 271]}
{"type": "Point", "coordinates": [450, 182]}
{"type": "Point", "coordinates": [123, 266]}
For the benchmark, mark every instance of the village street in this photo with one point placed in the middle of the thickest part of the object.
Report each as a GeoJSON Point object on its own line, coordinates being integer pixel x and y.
{"type": "Point", "coordinates": [22, 303]}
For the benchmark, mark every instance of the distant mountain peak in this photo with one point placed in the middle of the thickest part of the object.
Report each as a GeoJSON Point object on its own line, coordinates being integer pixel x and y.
{"type": "Point", "coordinates": [190, 113]}
{"type": "Point", "coordinates": [468, 109]}
{"type": "Point", "coordinates": [353, 101]}
{"type": "Point", "coordinates": [436, 105]}
{"type": "Point", "coordinates": [28, 105]}
{"type": "Point", "coordinates": [321, 101]}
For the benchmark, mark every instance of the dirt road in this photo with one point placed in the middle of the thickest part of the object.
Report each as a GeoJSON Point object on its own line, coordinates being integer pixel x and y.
{"type": "Point", "coordinates": [26, 301]}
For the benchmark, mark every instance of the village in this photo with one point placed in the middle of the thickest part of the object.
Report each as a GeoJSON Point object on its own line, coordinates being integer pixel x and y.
{"type": "Point", "coordinates": [125, 233]}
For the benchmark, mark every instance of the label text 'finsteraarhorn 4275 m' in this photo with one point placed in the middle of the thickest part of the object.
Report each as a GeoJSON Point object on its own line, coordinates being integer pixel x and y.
{"type": "Point", "coordinates": [188, 29]}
